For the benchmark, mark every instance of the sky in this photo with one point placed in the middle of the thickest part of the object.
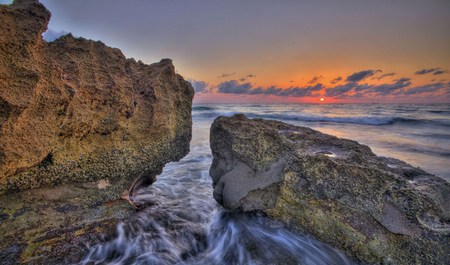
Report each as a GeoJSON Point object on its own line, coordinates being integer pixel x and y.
{"type": "Point", "coordinates": [279, 51]}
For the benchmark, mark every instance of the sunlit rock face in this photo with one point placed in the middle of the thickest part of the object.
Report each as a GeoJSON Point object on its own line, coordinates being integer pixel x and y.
{"type": "Point", "coordinates": [76, 110]}
{"type": "Point", "coordinates": [79, 123]}
{"type": "Point", "coordinates": [376, 209]}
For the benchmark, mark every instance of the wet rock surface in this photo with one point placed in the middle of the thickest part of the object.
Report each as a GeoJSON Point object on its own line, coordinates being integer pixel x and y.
{"type": "Point", "coordinates": [56, 225]}
{"type": "Point", "coordinates": [79, 125]}
{"type": "Point", "coordinates": [379, 210]}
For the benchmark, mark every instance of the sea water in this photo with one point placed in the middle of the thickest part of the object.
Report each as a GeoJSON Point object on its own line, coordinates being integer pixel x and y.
{"type": "Point", "coordinates": [418, 134]}
{"type": "Point", "coordinates": [182, 224]}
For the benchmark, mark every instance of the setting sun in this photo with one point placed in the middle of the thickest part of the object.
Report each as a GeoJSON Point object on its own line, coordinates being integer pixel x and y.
{"type": "Point", "coordinates": [322, 99]}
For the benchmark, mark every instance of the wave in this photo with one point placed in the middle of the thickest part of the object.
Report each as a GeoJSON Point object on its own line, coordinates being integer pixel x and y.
{"type": "Point", "coordinates": [440, 111]}
{"type": "Point", "coordinates": [429, 150]}
{"type": "Point", "coordinates": [362, 120]}
{"type": "Point", "coordinates": [202, 108]}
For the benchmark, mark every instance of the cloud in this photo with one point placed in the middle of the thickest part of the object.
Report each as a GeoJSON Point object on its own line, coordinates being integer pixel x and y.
{"type": "Point", "coordinates": [226, 75]}
{"type": "Point", "coordinates": [383, 76]}
{"type": "Point", "coordinates": [300, 91]}
{"type": "Point", "coordinates": [386, 89]}
{"type": "Point", "coordinates": [199, 86]}
{"type": "Point", "coordinates": [51, 35]}
{"type": "Point", "coordinates": [439, 72]}
{"type": "Point", "coordinates": [336, 80]}
{"type": "Point", "coordinates": [352, 88]}
{"type": "Point", "coordinates": [243, 79]}
{"type": "Point", "coordinates": [426, 89]}
{"type": "Point", "coordinates": [427, 71]}
{"type": "Point", "coordinates": [359, 76]}
{"type": "Point", "coordinates": [400, 86]}
{"type": "Point", "coordinates": [315, 80]}
{"type": "Point", "coordinates": [234, 87]}
{"type": "Point", "coordinates": [273, 90]}
{"type": "Point", "coordinates": [340, 90]}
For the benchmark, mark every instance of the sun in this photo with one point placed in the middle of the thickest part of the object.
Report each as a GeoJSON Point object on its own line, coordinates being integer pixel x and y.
{"type": "Point", "coordinates": [322, 99]}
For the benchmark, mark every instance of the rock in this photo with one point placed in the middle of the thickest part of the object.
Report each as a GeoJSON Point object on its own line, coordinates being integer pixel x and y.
{"type": "Point", "coordinates": [79, 125]}
{"type": "Point", "coordinates": [379, 210]}
{"type": "Point", "coordinates": [75, 110]}
{"type": "Point", "coordinates": [57, 225]}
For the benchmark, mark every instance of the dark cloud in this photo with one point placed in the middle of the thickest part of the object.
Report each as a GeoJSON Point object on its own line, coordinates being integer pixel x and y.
{"type": "Point", "coordinates": [51, 35]}
{"type": "Point", "coordinates": [340, 90]}
{"type": "Point", "coordinates": [351, 88]}
{"type": "Point", "coordinates": [362, 88]}
{"type": "Point", "coordinates": [348, 89]}
{"type": "Point", "coordinates": [359, 76]}
{"type": "Point", "coordinates": [243, 79]}
{"type": "Point", "coordinates": [199, 86]}
{"type": "Point", "coordinates": [315, 80]}
{"type": "Point", "coordinates": [427, 71]}
{"type": "Point", "coordinates": [336, 80]}
{"type": "Point", "coordinates": [403, 80]}
{"type": "Point", "coordinates": [426, 89]}
{"type": "Point", "coordinates": [273, 90]}
{"type": "Point", "coordinates": [386, 89]}
{"type": "Point", "coordinates": [300, 91]}
{"type": "Point", "coordinates": [439, 72]}
{"type": "Point", "coordinates": [226, 75]}
{"type": "Point", "coordinates": [400, 86]}
{"type": "Point", "coordinates": [234, 87]}
{"type": "Point", "coordinates": [383, 76]}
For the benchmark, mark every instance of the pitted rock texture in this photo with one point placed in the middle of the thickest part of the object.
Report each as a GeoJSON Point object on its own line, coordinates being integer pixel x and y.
{"type": "Point", "coordinates": [79, 123]}
{"type": "Point", "coordinates": [379, 210]}
{"type": "Point", "coordinates": [76, 110]}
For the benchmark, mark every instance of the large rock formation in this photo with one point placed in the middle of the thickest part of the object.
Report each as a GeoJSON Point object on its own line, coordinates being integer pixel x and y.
{"type": "Point", "coordinates": [75, 110]}
{"type": "Point", "coordinates": [379, 210]}
{"type": "Point", "coordinates": [80, 122]}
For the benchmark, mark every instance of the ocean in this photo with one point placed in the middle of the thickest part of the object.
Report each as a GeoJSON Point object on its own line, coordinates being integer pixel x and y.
{"type": "Point", "coordinates": [182, 223]}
